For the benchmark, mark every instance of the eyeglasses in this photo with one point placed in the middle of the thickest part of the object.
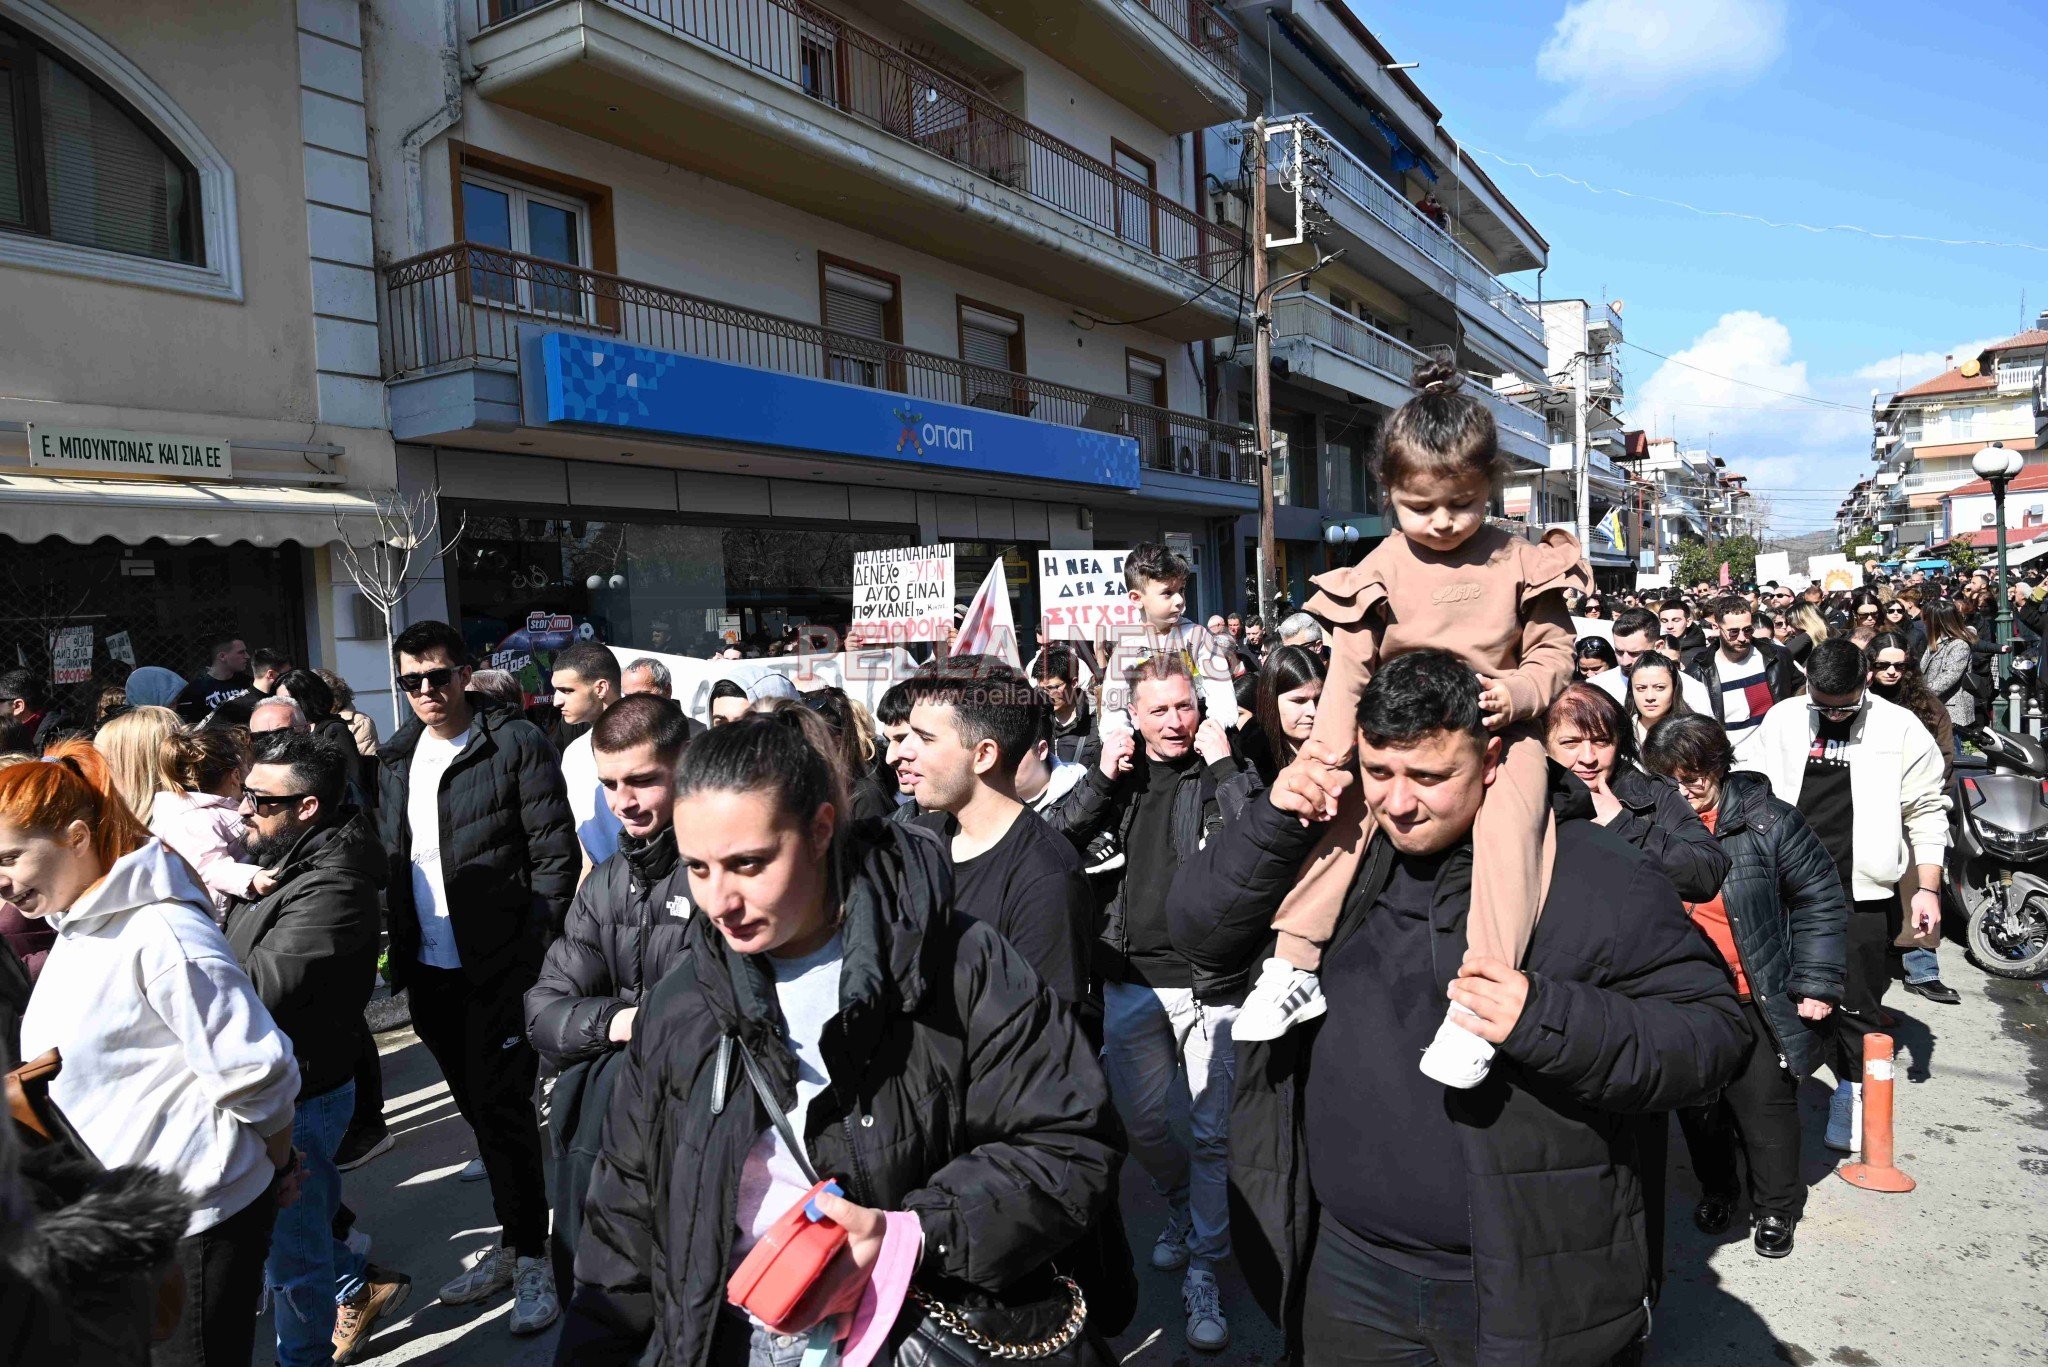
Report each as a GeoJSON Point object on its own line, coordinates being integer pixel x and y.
{"type": "Point", "coordinates": [1889, 667]}
{"type": "Point", "coordinates": [260, 801]}
{"type": "Point", "coordinates": [1870, 613]}
{"type": "Point", "coordinates": [1838, 713]}
{"type": "Point", "coordinates": [425, 679]}
{"type": "Point", "coordinates": [1738, 631]}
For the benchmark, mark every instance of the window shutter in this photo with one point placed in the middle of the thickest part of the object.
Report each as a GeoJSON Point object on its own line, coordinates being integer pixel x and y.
{"type": "Point", "coordinates": [1145, 381]}
{"type": "Point", "coordinates": [986, 338]}
{"type": "Point", "coordinates": [13, 209]}
{"type": "Point", "coordinates": [110, 184]}
{"type": "Point", "coordinates": [857, 304]}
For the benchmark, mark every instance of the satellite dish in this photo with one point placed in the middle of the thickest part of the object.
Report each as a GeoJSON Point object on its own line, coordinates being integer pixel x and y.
{"type": "Point", "coordinates": [1616, 306]}
{"type": "Point", "coordinates": [1970, 368]}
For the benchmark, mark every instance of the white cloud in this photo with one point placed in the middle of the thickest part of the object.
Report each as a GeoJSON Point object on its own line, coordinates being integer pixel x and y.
{"type": "Point", "coordinates": [1619, 56]}
{"type": "Point", "coordinates": [1911, 367]}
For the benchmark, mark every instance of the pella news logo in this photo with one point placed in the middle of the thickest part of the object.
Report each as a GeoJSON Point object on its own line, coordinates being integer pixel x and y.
{"type": "Point", "coordinates": [917, 435]}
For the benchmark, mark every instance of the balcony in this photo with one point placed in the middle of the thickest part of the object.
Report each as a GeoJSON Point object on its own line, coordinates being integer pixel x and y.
{"type": "Point", "coordinates": [1393, 241]}
{"type": "Point", "coordinates": [791, 102]}
{"type": "Point", "coordinates": [1603, 375]}
{"type": "Point", "coordinates": [1174, 61]}
{"type": "Point", "coordinates": [467, 306]}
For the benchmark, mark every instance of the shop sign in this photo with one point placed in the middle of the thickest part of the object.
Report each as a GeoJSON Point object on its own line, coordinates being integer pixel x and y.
{"type": "Point", "coordinates": [106, 451]}
{"type": "Point", "coordinates": [1082, 596]}
{"type": "Point", "coordinates": [904, 593]}
{"type": "Point", "coordinates": [71, 655]}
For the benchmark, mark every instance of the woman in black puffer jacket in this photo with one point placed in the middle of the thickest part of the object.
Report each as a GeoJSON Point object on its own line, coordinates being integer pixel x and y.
{"type": "Point", "coordinates": [920, 1060]}
{"type": "Point", "coordinates": [1780, 922]}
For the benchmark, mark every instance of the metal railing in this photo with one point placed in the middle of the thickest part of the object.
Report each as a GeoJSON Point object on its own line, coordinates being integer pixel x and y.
{"type": "Point", "coordinates": [1305, 315]}
{"type": "Point", "coordinates": [1363, 186]}
{"type": "Point", "coordinates": [820, 54]}
{"type": "Point", "coordinates": [1202, 26]}
{"type": "Point", "coordinates": [1512, 417]}
{"type": "Point", "coordinates": [467, 303]}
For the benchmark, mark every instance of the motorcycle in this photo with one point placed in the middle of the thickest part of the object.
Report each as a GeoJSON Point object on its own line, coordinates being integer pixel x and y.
{"type": "Point", "coordinates": [1999, 851]}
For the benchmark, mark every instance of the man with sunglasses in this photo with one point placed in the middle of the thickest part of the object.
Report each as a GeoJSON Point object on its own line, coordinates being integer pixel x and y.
{"type": "Point", "coordinates": [1867, 777]}
{"type": "Point", "coordinates": [1743, 676]}
{"type": "Point", "coordinates": [484, 860]}
{"type": "Point", "coordinates": [1634, 634]}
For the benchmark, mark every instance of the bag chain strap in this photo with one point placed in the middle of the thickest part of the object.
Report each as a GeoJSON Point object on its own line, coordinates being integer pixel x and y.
{"type": "Point", "coordinates": [952, 1319]}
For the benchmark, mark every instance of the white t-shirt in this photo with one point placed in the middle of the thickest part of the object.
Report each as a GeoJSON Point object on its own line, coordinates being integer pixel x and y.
{"type": "Point", "coordinates": [430, 761]}
{"type": "Point", "coordinates": [1745, 697]}
{"type": "Point", "coordinates": [596, 827]}
{"type": "Point", "coordinates": [1206, 656]}
{"type": "Point", "coordinates": [772, 1180]}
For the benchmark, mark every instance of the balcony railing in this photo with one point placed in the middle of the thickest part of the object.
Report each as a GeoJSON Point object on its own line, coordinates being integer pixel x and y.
{"type": "Point", "coordinates": [1202, 26]}
{"type": "Point", "coordinates": [1305, 315]}
{"type": "Point", "coordinates": [1512, 416]}
{"type": "Point", "coordinates": [1363, 186]}
{"type": "Point", "coordinates": [820, 54]}
{"type": "Point", "coordinates": [467, 303]}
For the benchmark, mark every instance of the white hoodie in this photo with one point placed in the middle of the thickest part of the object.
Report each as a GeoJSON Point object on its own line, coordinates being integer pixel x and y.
{"type": "Point", "coordinates": [171, 1060]}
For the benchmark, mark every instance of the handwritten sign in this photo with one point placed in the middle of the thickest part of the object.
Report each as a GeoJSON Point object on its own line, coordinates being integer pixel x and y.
{"type": "Point", "coordinates": [903, 594]}
{"type": "Point", "coordinates": [71, 655]}
{"type": "Point", "coordinates": [1082, 597]}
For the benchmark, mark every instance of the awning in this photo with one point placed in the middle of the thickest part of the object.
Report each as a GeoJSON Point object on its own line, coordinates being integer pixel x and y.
{"type": "Point", "coordinates": [33, 507]}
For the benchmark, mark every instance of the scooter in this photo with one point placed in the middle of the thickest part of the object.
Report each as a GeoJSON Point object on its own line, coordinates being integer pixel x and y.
{"type": "Point", "coordinates": [1998, 852]}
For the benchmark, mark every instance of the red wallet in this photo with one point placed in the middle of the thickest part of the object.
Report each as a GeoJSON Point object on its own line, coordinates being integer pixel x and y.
{"type": "Point", "coordinates": [774, 1278]}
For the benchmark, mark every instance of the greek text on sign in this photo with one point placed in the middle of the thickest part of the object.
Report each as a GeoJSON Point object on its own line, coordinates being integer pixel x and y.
{"type": "Point", "coordinates": [903, 594]}
{"type": "Point", "coordinates": [1082, 596]}
{"type": "Point", "coordinates": [71, 655]}
{"type": "Point", "coordinates": [105, 451]}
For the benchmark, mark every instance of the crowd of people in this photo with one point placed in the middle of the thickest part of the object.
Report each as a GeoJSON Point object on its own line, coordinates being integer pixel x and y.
{"type": "Point", "coordinates": [1385, 938]}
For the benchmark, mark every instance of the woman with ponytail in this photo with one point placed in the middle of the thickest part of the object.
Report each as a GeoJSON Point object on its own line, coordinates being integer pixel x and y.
{"type": "Point", "coordinates": [170, 1060]}
{"type": "Point", "coordinates": [918, 1059]}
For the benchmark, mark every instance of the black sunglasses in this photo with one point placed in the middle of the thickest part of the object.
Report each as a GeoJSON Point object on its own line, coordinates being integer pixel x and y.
{"type": "Point", "coordinates": [263, 800]}
{"type": "Point", "coordinates": [425, 679]}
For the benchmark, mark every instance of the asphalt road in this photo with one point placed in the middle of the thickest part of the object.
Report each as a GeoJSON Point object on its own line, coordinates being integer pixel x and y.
{"type": "Point", "coordinates": [1952, 1274]}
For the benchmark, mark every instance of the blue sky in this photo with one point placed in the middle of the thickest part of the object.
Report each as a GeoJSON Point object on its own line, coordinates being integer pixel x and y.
{"type": "Point", "coordinates": [1898, 117]}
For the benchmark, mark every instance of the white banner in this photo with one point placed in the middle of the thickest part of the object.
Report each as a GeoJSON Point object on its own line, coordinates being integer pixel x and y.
{"type": "Point", "coordinates": [864, 674]}
{"type": "Point", "coordinates": [1773, 567]}
{"type": "Point", "coordinates": [904, 594]}
{"type": "Point", "coordinates": [1082, 596]}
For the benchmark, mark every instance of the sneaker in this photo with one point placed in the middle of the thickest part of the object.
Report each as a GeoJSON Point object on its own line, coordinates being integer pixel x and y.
{"type": "Point", "coordinates": [354, 1321]}
{"type": "Point", "coordinates": [534, 1303]}
{"type": "Point", "coordinates": [1208, 1331]}
{"type": "Point", "coordinates": [1845, 1118]}
{"type": "Point", "coordinates": [1457, 1057]}
{"type": "Point", "coordinates": [359, 1147]}
{"type": "Point", "coordinates": [472, 1171]}
{"type": "Point", "coordinates": [491, 1273]}
{"type": "Point", "coordinates": [1283, 997]}
{"type": "Point", "coordinates": [1170, 1250]}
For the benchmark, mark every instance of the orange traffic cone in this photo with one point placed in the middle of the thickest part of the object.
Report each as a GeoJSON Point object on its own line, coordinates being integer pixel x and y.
{"type": "Point", "coordinates": [1876, 1172]}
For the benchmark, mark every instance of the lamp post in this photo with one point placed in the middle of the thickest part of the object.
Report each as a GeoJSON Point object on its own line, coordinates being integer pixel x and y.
{"type": "Point", "coordinates": [1996, 465]}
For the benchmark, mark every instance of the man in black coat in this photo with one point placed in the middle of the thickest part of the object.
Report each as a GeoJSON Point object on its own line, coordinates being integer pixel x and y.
{"type": "Point", "coordinates": [1744, 676]}
{"type": "Point", "coordinates": [1379, 1214]}
{"type": "Point", "coordinates": [626, 930]}
{"type": "Point", "coordinates": [309, 942]}
{"type": "Point", "coordinates": [484, 861]}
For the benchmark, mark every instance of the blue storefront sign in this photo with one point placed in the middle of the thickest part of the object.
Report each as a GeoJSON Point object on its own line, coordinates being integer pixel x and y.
{"type": "Point", "coordinates": [596, 382]}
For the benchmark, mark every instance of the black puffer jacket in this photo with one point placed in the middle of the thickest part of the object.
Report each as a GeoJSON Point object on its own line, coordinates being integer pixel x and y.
{"type": "Point", "coordinates": [959, 1090]}
{"type": "Point", "coordinates": [310, 947]}
{"type": "Point", "coordinates": [1629, 1010]}
{"type": "Point", "coordinates": [627, 928]}
{"type": "Point", "coordinates": [509, 856]}
{"type": "Point", "coordinates": [1784, 901]}
{"type": "Point", "coordinates": [1780, 673]}
{"type": "Point", "coordinates": [1656, 819]}
{"type": "Point", "coordinates": [1206, 798]}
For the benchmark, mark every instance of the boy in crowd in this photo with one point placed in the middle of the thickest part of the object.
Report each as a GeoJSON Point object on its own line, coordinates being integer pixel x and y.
{"type": "Point", "coordinates": [1157, 579]}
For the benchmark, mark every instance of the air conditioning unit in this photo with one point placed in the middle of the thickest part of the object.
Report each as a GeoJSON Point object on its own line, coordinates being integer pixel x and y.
{"type": "Point", "coordinates": [2037, 510]}
{"type": "Point", "coordinates": [1988, 520]}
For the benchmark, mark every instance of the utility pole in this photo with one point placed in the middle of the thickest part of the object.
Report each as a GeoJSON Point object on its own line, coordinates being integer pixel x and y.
{"type": "Point", "coordinates": [1262, 360]}
{"type": "Point", "coordinates": [1580, 460]}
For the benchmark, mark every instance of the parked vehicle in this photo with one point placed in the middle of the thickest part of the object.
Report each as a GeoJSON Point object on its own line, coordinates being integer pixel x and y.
{"type": "Point", "coordinates": [1998, 857]}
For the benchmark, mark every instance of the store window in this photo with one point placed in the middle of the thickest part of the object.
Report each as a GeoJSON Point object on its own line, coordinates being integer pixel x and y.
{"type": "Point", "coordinates": [79, 166]}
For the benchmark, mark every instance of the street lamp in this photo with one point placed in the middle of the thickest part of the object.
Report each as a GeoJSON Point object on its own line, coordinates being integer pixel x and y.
{"type": "Point", "coordinates": [1997, 465]}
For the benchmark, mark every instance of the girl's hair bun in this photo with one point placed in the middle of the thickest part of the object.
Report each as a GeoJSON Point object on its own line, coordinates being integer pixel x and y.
{"type": "Point", "coordinates": [1435, 375]}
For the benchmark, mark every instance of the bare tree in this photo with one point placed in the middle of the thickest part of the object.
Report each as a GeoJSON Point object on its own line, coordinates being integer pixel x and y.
{"type": "Point", "coordinates": [392, 564]}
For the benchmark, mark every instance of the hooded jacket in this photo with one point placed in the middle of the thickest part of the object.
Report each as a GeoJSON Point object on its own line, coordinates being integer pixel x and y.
{"type": "Point", "coordinates": [1630, 1010]}
{"type": "Point", "coordinates": [210, 833]}
{"type": "Point", "coordinates": [509, 856]}
{"type": "Point", "coordinates": [311, 946]}
{"type": "Point", "coordinates": [1656, 819]}
{"type": "Point", "coordinates": [171, 1060]}
{"type": "Point", "coordinates": [959, 1090]}
{"type": "Point", "coordinates": [1784, 903]}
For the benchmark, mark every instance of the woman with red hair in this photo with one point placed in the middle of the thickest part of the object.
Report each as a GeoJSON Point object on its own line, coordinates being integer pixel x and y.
{"type": "Point", "coordinates": [170, 1060]}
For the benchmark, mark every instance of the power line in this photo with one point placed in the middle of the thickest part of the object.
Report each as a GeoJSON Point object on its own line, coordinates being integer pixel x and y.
{"type": "Point", "coordinates": [1815, 400]}
{"type": "Point", "coordinates": [1855, 228]}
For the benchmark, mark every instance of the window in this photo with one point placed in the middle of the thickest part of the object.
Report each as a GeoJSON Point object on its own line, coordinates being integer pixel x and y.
{"type": "Point", "coordinates": [519, 219]}
{"type": "Point", "coordinates": [78, 166]}
{"type": "Point", "coordinates": [818, 59]}
{"type": "Point", "coordinates": [1135, 179]}
{"type": "Point", "coordinates": [1145, 382]}
{"type": "Point", "coordinates": [992, 339]}
{"type": "Point", "coordinates": [859, 303]}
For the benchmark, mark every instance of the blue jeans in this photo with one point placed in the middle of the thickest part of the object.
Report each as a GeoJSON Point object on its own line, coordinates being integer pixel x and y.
{"type": "Point", "coordinates": [309, 1269]}
{"type": "Point", "coordinates": [1922, 966]}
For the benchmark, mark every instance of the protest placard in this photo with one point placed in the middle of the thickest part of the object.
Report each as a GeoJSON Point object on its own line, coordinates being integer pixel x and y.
{"type": "Point", "coordinates": [903, 594]}
{"type": "Point", "coordinates": [1833, 572]}
{"type": "Point", "coordinates": [122, 648]}
{"type": "Point", "coordinates": [71, 655]}
{"type": "Point", "coordinates": [1082, 596]}
{"type": "Point", "coordinates": [1773, 567]}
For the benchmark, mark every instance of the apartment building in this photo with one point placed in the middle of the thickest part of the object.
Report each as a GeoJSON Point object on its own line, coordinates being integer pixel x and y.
{"type": "Point", "coordinates": [684, 304]}
{"type": "Point", "coordinates": [1580, 334]}
{"type": "Point", "coordinates": [1923, 436]}
{"type": "Point", "coordinates": [192, 416]}
{"type": "Point", "coordinates": [1686, 496]}
{"type": "Point", "coordinates": [1357, 161]}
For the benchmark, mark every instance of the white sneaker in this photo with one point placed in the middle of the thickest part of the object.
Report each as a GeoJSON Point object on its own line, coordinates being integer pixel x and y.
{"type": "Point", "coordinates": [472, 1171]}
{"type": "Point", "coordinates": [1283, 997]}
{"type": "Point", "coordinates": [1457, 1057]}
{"type": "Point", "coordinates": [1170, 1249]}
{"type": "Point", "coordinates": [1208, 1331]}
{"type": "Point", "coordinates": [534, 1303]}
{"type": "Point", "coordinates": [491, 1273]}
{"type": "Point", "coordinates": [1845, 1118]}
